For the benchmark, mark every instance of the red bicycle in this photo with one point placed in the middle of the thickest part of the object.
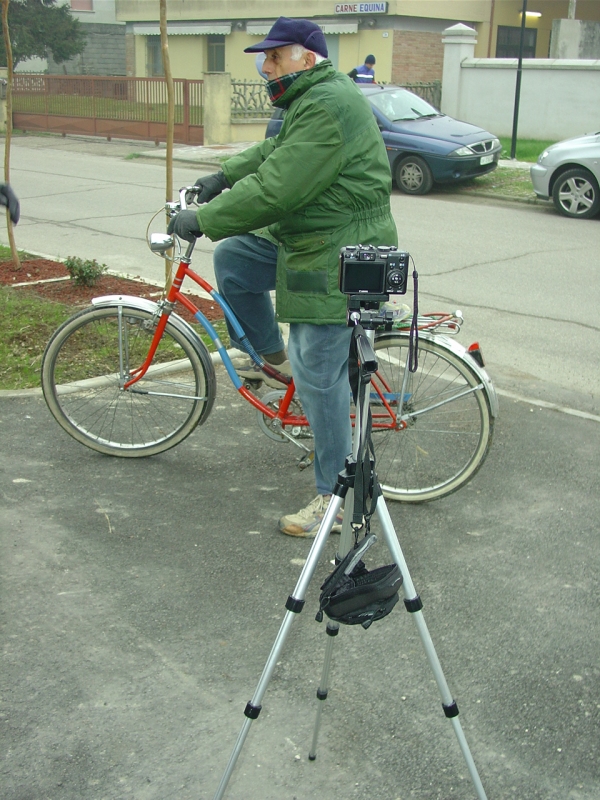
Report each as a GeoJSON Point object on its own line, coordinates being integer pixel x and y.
{"type": "Point", "coordinates": [129, 377]}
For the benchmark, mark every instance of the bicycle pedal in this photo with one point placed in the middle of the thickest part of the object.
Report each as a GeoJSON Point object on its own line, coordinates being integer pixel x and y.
{"type": "Point", "coordinates": [306, 461]}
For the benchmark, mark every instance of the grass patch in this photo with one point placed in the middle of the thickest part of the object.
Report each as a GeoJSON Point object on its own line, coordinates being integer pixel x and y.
{"type": "Point", "coordinates": [26, 324]}
{"type": "Point", "coordinates": [131, 156]}
{"type": "Point", "coordinates": [503, 181]}
{"type": "Point", "coordinates": [6, 254]}
{"type": "Point", "coordinates": [527, 149]}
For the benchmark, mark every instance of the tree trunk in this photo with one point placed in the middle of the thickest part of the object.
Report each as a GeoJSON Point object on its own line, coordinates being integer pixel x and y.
{"type": "Point", "coordinates": [9, 78]}
{"type": "Point", "coordinates": [164, 44]}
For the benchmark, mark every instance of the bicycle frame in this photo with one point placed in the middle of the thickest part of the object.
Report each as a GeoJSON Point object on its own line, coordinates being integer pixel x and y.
{"type": "Point", "coordinates": [175, 295]}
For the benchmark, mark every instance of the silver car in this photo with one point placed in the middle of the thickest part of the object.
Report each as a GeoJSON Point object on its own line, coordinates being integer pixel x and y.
{"type": "Point", "coordinates": [569, 173]}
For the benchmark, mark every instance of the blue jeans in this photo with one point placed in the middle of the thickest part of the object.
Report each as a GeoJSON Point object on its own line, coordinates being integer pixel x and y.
{"type": "Point", "coordinates": [245, 269]}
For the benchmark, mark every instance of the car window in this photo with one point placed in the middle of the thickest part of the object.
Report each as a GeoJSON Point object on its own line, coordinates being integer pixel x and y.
{"type": "Point", "coordinates": [402, 105]}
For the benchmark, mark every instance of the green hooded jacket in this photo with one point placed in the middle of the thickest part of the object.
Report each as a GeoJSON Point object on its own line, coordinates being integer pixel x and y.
{"type": "Point", "coordinates": [324, 182]}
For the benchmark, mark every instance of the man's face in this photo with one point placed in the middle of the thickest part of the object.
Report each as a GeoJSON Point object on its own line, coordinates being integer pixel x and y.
{"type": "Point", "coordinates": [278, 62]}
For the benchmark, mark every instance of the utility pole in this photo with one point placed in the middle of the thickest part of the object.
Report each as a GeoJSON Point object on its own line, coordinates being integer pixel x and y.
{"type": "Point", "coordinates": [513, 146]}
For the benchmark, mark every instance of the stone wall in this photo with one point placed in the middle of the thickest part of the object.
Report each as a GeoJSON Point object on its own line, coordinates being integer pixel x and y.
{"type": "Point", "coordinates": [557, 97]}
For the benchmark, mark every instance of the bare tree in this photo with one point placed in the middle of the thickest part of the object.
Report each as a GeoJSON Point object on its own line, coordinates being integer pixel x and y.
{"type": "Point", "coordinates": [164, 44]}
{"type": "Point", "coordinates": [9, 78]}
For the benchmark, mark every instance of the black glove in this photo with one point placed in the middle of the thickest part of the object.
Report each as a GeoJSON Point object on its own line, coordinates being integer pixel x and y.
{"type": "Point", "coordinates": [185, 225]}
{"type": "Point", "coordinates": [208, 187]}
{"type": "Point", "coordinates": [9, 199]}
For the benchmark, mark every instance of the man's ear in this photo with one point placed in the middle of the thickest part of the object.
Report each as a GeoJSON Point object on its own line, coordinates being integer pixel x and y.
{"type": "Point", "coordinates": [309, 59]}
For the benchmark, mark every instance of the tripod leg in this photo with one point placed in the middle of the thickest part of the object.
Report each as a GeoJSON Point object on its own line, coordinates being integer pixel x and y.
{"type": "Point", "coordinates": [346, 539]}
{"type": "Point", "coordinates": [413, 604]}
{"type": "Point", "coordinates": [332, 631]}
{"type": "Point", "coordinates": [294, 605]}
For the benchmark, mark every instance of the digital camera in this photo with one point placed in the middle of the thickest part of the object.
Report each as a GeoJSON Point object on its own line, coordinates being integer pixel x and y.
{"type": "Point", "coordinates": [369, 270]}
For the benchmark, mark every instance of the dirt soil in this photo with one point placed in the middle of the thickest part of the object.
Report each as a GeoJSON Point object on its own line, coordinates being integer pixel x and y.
{"type": "Point", "coordinates": [66, 292]}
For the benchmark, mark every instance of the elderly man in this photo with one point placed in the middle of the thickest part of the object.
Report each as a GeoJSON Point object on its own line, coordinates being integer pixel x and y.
{"type": "Point", "coordinates": [294, 201]}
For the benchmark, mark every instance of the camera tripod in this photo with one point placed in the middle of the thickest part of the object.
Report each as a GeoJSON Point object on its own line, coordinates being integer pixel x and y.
{"type": "Point", "coordinates": [351, 483]}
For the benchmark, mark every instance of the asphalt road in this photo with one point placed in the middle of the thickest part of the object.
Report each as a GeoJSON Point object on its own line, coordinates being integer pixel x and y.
{"type": "Point", "coordinates": [140, 598]}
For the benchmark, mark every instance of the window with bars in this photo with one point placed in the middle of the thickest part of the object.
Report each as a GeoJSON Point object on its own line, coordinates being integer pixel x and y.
{"type": "Point", "coordinates": [154, 57]}
{"type": "Point", "coordinates": [507, 43]}
{"type": "Point", "coordinates": [215, 49]}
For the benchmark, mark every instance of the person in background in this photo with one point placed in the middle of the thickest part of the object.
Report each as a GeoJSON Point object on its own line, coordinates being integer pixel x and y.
{"type": "Point", "coordinates": [365, 73]}
{"type": "Point", "coordinates": [9, 199]}
{"type": "Point", "coordinates": [294, 201]}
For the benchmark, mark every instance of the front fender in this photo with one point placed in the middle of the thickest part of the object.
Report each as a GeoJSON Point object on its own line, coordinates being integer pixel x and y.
{"type": "Point", "coordinates": [143, 304]}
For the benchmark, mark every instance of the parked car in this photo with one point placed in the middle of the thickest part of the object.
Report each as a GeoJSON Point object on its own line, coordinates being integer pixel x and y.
{"type": "Point", "coordinates": [569, 173]}
{"type": "Point", "coordinates": [424, 146]}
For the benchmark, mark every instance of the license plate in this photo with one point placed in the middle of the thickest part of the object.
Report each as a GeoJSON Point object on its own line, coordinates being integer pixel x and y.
{"type": "Point", "coordinates": [486, 160]}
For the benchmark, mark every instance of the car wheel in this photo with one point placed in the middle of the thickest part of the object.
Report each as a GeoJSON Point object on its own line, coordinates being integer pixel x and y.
{"type": "Point", "coordinates": [575, 194]}
{"type": "Point", "coordinates": [413, 176]}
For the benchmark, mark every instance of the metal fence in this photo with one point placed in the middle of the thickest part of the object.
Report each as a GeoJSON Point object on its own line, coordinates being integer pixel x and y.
{"type": "Point", "coordinates": [250, 100]}
{"type": "Point", "coordinates": [121, 107]}
{"type": "Point", "coordinates": [430, 91]}
{"type": "Point", "coordinates": [136, 108]}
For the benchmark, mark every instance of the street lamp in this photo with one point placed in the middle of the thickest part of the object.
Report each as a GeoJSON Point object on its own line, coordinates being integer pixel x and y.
{"type": "Point", "coordinates": [513, 146]}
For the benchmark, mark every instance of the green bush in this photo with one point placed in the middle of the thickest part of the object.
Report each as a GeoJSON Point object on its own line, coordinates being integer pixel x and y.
{"type": "Point", "coordinates": [84, 273]}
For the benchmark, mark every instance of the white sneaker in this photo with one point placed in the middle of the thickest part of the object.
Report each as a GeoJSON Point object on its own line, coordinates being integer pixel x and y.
{"type": "Point", "coordinates": [305, 523]}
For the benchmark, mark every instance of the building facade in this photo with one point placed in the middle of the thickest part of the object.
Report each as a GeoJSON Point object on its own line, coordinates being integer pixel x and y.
{"type": "Point", "coordinates": [405, 36]}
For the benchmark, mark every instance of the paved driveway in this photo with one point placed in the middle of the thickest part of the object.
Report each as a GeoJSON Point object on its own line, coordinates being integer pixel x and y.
{"type": "Point", "coordinates": [141, 598]}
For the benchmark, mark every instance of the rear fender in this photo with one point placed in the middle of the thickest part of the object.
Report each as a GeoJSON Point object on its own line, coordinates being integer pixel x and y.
{"type": "Point", "coordinates": [459, 350]}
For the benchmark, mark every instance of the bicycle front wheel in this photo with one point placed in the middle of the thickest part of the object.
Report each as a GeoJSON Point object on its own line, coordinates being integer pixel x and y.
{"type": "Point", "coordinates": [432, 429]}
{"type": "Point", "coordinates": [91, 356]}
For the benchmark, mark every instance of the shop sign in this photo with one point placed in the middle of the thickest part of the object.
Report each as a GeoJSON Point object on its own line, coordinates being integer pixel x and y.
{"type": "Point", "coordinates": [361, 8]}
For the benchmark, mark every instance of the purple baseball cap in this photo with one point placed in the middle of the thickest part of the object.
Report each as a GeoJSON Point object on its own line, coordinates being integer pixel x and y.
{"type": "Point", "coordinates": [292, 31]}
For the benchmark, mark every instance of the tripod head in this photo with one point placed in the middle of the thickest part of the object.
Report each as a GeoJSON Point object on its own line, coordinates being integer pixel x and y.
{"type": "Point", "coordinates": [365, 310]}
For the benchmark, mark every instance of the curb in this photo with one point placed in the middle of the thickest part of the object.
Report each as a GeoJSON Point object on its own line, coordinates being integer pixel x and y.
{"type": "Point", "coordinates": [532, 201]}
{"type": "Point", "coordinates": [36, 391]}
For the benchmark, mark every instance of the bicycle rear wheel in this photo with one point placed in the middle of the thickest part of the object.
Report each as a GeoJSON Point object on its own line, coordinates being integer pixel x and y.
{"type": "Point", "coordinates": [91, 356]}
{"type": "Point", "coordinates": [444, 425]}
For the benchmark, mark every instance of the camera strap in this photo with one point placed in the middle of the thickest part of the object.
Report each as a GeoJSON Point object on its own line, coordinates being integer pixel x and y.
{"type": "Point", "coordinates": [413, 336]}
{"type": "Point", "coordinates": [365, 481]}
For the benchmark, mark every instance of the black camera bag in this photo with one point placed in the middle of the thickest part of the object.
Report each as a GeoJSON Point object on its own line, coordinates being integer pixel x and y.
{"type": "Point", "coordinates": [359, 597]}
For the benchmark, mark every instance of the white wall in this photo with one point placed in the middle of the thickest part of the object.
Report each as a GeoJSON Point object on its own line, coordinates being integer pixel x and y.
{"type": "Point", "coordinates": [559, 98]}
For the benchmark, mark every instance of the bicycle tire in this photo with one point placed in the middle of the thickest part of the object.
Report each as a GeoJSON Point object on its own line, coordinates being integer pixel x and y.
{"type": "Point", "coordinates": [436, 451]}
{"type": "Point", "coordinates": [81, 369]}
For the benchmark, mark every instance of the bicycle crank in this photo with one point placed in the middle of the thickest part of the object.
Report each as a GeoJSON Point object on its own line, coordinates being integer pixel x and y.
{"type": "Point", "coordinates": [274, 429]}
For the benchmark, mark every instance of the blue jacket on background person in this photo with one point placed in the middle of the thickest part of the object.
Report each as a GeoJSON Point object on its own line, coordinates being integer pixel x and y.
{"type": "Point", "coordinates": [365, 73]}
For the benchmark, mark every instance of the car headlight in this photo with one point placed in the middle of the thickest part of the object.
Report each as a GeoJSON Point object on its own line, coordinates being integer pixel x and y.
{"type": "Point", "coordinates": [543, 156]}
{"type": "Point", "coordinates": [462, 151]}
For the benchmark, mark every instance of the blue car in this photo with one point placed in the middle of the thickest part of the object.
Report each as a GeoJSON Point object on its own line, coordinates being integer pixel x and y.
{"type": "Point", "coordinates": [424, 146]}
